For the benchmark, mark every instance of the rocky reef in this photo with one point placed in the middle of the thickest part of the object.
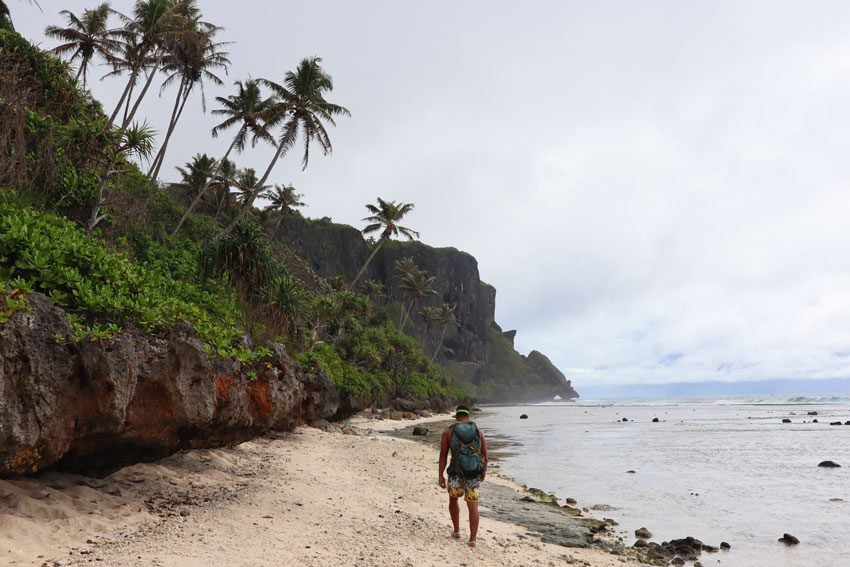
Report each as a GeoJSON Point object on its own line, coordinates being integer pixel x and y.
{"type": "Point", "coordinates": [94, 406]}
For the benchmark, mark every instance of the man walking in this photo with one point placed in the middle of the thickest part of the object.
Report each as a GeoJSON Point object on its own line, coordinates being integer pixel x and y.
{"type": "Point", "coordinates": [466, 470]}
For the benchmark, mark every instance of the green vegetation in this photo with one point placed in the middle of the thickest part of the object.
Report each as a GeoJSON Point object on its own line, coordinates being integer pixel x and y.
{"type": "Point", "coordinates": [113, 247]}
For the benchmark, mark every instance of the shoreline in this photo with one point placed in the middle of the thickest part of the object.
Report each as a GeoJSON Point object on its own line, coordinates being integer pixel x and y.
{"type": "Point", "coordinates": [357, 494]}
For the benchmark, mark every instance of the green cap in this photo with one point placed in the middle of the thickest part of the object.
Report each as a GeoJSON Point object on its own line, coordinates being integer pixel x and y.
{"type": "Point", "coordinates": [462, 411]}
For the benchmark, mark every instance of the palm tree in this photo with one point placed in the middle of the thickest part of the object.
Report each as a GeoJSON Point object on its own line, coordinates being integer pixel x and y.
{"type": "Point", "coordinates": [221, 185]}
{"type": "Point", "coordinates": [193, 56]}
{"type": "Point", "coordinates": [284, 200]}
{"type": "Point", "coordinates": [416, 287]}
{"type": "Point", "coordinates": [385, 217]}
{"type": "Point", "coordinates": [299, 107]}
{"type": "Point", "coordinates": [145, 34]}
{"type": "Point", "coordinates": [372, 289]}
{"type": "Point", "coordinates": [246, 108]}
{"type": "Point", "coordinates": [445, 316]}
{"type": "Point", "coordinates": [246, 183]}
{"type": "Point", "coordinates": [86, 37]}
{"type": "Point", "coordinates": [196, 174]}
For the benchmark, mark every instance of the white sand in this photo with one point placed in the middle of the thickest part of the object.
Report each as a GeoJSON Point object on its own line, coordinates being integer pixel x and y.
{"type": "Point", "coordinates": [305, 498]}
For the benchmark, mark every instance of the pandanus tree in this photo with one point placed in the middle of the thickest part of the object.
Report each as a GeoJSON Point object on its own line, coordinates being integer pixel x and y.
{"type": "Point", "coordinates": [85, 37]}
{"type": "Point", "coordinates": [193, 56]}
{"type": "Point", "coordinates": [445, 316]}
{"type": "Point", "coordinates": [247, 109]}
{"type": "Point", "coordinates": [299, 108]}
{"type": "Point", "coordinates": [284, 200]}
{"type": "Point", "coordinates": [385, 218]}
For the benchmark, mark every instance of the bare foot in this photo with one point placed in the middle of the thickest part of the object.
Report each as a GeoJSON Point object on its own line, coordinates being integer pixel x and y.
{"type": "Point", "coordinates": [456, 535]}
{"type": "Point", "coordinates": [472, 543]}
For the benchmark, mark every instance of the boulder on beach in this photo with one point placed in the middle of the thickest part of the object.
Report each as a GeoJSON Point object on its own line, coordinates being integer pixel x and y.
{"type": "Point", "coordinates": [725, 545]}
{"type": "Point", "coordinates": [788, 539]}
{"type": "Point", "coordinates": [643, 533]}
{"type": "Point", "coordinates": [640, 543]}
{"type": "Point", "coordinates": [419, 430]}
{"type": "Point", "coordinates": [829, 464]}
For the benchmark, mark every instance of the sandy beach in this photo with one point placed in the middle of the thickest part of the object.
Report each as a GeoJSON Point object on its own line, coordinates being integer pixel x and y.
{"type": "Point", "coordinates": [352, 495]}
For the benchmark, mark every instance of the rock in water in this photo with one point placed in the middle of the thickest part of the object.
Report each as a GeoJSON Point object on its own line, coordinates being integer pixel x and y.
{"type": "Point", "coordinates": [654, 420]}
{"type": "Point", "coordinates": [419, 430]}
{"type": "Point", "coordinates": [814, 421]}
{"type": "Point", "coordinates": [725, 545]}
{"type": "Point", "coordinates": [786, 420]}
{"type": "Point", "coordinates": [812, 413]}
{"type": "Point", "coordinates": [643, 533]}
{"type": "Point", "coordinates": [625, 419]}
{"type": "Point", "coordinates": [835, 423]}
{"type": "Point", "coordinates": [524, 416]}
{"type": "Point", "coordinates": [788, 539]}
{"type": "Point", "coordinates": [828, 464]}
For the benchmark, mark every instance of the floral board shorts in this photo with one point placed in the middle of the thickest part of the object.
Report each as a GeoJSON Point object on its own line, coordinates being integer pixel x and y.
{"type": "Point", "coordinates": [466, 487]}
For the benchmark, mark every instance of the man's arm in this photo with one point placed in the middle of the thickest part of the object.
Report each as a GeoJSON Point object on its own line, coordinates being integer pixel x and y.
{"type": "Point", "coordinates": [444, 454]}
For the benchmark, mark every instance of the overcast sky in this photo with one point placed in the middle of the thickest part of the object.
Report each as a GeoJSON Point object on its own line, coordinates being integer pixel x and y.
{"type": "Point", "coordinates": [658, 190]}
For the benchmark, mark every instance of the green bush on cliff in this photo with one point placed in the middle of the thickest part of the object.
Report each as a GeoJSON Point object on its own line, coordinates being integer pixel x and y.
{"type": "Point", "coordinates": [44, 252]}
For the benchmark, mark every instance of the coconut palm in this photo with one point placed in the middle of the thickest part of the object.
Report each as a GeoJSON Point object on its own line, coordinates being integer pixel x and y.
{"type": "Point", "coordinates": [247, 109]}
{"type": "Point", "coordinates": [246, 183]}
{"type": "Point", "coordinates": [284, 200]}
{"type": "Point", "coordinates": [196, 174]}
{"type": "Point", "coordinates": [192, 56]}
{"type": "Point", "coordinates": [445, 316]}
{"type": "Point", "coordinates": [372, 289]}
{"type": "Point", "coordinates": [145, 34]}
{"type": "Point", "coordinates": [223, 181]}
{"type": "Point", "coordinates": [416, 287]}
{"type": "Point", "coordinates": [85, 37]}
{"type": "Point", "coordinates": [385, 217]}
{"type": "Point", "coordinates": [299, 107]}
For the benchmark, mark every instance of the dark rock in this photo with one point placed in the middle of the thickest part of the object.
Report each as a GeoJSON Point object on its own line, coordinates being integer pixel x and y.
{"type": "Point", "coordinates": [677, 561]}
{"type": "Point", "coordinates": [835, 423]}
{"type": "Point", "coordinates": [571, 501]}
{"type": "Point", "coordinates": [99, 405]}
{"type": "Point", "coordinates": [788, 539]}
{"type": "Point", "coordinates": [847, 422]}
{"type": "Point", "coordinates": [631, 471]}
{"type": "Point", "coordinates": [812, 413]}
{"type": "Point", "coordinates": [640, 543]}
{"type": "Point", "coordinates": [625, 419]}
{"type": "Point", "coordinates": [655, 420]}
{"type": "Point", "coordinates": [829, 464]}
{"type": "Point", "coordinates": [725, 545]}
{"type": "Point", "coordinates": [510, 335]}
{"type": "Point", "coordinates": [786, 420]}
{"type": "Point", "coordinates": [524, 416]}
{"type": "Point", "coordinates": [709, 548]}
{"type": "Point", "coordinates": [814, 421]}
{"type": "Point", "coordinates": [419, 430]}
{"type": "Point", "coordinates": [643, 533]}
{"type": "Point", "coordinates": [697, 564]}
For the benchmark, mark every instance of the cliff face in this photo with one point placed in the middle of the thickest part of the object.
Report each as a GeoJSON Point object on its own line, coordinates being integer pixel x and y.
{"type": "Point", "coordinates": [95, 406]}
{"type": "Point", "coordinates": [488, 359]}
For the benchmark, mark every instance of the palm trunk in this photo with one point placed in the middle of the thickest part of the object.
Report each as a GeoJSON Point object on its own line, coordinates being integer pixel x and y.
{"type": "Point", "coordinates": [366, 264]}
{"type": "Point", "coordinates": [407, 315]}
{"type": "Point", "coordinates": [440, 344]}
{"type": "Point", "coordinates": [257, 188]}
{"type": "Point", "coordinates": [124, 97]}
{"type": "Point", "coordinates": [200, 194]}
{"type": "Point", "coordinates": [80, 72]}
{"type": "Point", "coordinates": [277, 224]}
{"type": "Point", "coordinates": [129, 117]}
{"type": "Point", "coordinates": [179, 104]}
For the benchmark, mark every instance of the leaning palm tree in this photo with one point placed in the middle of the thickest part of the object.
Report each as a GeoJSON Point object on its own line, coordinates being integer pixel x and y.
{"type": "Point", "coordinates": [193, 56]}
{"type": "Point", "coordinates": [445, 316]}
{"type": "Point", "coordinates": [145, 34]}
{"type": "Point", "coordinates": [417, 287]}
{"type": "Point", "coordinates": [85, 37]}
{"type": "Point", "coordinates": [385, 217]}
{"type": "Point", "coordinates": [372, 289]}
{"type": "Point", "coordinates": [299, 108]}
{"type": "Point", "coordinates": [284, 200]}
{"type": "Point", "coordinates": [246, 184]}
{"type": "Point", "coordinates": [247, 108]}
{"type": "Point", "coordinates": [195, 174]}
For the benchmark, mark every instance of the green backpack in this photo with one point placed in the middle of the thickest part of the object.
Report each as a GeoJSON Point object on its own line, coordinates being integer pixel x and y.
{"type": "Point", "coordinates": [467, 460]}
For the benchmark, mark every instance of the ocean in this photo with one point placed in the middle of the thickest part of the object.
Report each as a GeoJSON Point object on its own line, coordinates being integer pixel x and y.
{"type": "Point", "coordinates": [718, 469]}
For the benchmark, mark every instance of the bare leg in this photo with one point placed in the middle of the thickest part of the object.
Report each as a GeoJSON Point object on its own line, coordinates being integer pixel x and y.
{"type": "Point", "coordinates": [473, 521]}
{"type": "Point", "coordinates": [454, 512]}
